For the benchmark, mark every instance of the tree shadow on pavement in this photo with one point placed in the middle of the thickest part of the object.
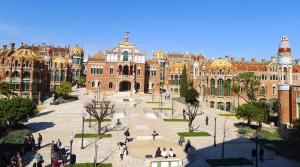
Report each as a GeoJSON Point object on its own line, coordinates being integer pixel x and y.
{"type": "Point", "coordinates": [43, 113]}
{"type": "Point", "coordinates": [38, 126]}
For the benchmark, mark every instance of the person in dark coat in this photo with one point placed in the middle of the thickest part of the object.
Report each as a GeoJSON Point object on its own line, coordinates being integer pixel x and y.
{"type": "Point", "coordinates": [40, 138]}
{"type": "Point", "coordinates": [127, 134]}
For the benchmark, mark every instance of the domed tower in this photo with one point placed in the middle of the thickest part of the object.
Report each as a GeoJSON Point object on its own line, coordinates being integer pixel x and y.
{"type": "Point", "coordinates": [284, 61]}
{"type": "Point", "coordinates": [76, 59]}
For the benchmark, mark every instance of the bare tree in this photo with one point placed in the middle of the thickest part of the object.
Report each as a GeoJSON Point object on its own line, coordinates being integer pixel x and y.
{"type": "Point", "coordinates": [192, 112]}
{"type": "Point", "coordinates": [100, 110]}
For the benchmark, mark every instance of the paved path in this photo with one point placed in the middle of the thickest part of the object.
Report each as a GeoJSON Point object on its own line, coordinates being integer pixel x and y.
{"type": "Point", "coordinates": [60, 121]}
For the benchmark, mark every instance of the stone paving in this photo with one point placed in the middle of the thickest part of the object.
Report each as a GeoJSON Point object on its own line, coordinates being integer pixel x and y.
{"type": "Point", "coordinates": [62, 120]}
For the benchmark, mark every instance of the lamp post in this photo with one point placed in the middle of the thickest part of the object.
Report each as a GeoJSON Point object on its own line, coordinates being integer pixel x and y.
{"type": "Point", "coordinates": [256, 149]}
{"type": "Point", "coordinates": [172, 108]}
{"type": "Point", "coordinates": [71, 144]}
{"type": "Point", "coordinates": [215, 131]}
{"type": "Point", "coordinates": [152, 92]}
{"type": "Point", "coordinates": [82, 130]}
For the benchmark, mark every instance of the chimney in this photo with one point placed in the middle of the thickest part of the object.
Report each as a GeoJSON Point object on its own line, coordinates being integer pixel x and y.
{"type": "Point", "coordinates": [22, 44]}
{"type": "Point", "coordinates": [12, 46]}
{"type": "Point", "coordinates": [4, 46]}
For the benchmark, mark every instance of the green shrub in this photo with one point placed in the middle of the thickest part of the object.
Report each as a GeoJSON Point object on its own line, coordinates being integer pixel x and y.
{"type": "Point", "coordinates": [193, 134]}
{"type": "Point", "coordinates": [244, 130]}
{"type": "Point", "coordinates": [162, 109]}
{"type": "Point", "coordinates": [95, 120]}
{"type": "Point", "coordinates": [176, 120]}
{"type": "Point", "coordinates": [93, 135]}
{"type": "Point", "coordinates": [12, 141]}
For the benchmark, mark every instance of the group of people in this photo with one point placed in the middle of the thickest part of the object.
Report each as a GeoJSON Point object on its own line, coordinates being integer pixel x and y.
{"type": "Point", "coordinates": [188, 145]}
{"type": "Point", "coordinates": [16, 160]}
{"type": "Point", "coordinates": [57, 153]}
{"type": "Point", "coordinates": [164, 153]}
{"type": "Point", "coordinates": [29, 144]}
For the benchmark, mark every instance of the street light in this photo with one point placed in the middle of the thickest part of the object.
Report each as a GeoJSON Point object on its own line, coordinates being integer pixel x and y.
{"type": "Point", "coordinates": [256, 151]}
{"type": "Point", "coordinates": [215, 132]}
{"type": "Point", "coordinates": [82, 130]}
{"type": "Point", "coordinates": [71, 144]}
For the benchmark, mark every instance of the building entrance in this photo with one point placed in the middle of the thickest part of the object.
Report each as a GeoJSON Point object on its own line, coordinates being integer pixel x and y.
{"type": "Point", "coordinates": [124, 86]}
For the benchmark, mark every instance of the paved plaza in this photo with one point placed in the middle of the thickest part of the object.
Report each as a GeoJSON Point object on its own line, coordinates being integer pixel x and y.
{"type": "Point", "coordinates": [60, 121]}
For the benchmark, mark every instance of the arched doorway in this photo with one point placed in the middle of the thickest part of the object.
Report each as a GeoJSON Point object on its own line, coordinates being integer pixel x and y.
{"type": "Point", "coordinates": [124, 86]}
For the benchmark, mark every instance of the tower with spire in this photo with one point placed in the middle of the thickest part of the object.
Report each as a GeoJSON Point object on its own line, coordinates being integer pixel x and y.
{"type": "Point", "coordinates": [285, 73]}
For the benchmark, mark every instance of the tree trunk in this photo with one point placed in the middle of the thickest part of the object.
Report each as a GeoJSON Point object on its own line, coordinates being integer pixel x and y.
{"type": "Point", "coordinates": [190, 125]}
{"type": "Point", "coordinates": [249, 123]}
{"type": "Point", "coordinates": [99, 127]}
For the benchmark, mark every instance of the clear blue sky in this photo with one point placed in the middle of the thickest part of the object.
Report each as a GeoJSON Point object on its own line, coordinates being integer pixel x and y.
{"type": "Point", "coordinates": [239, 28]}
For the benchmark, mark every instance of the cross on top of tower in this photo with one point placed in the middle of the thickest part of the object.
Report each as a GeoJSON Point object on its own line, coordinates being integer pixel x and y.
{"type": "Point", "coordinates": [126, 36]}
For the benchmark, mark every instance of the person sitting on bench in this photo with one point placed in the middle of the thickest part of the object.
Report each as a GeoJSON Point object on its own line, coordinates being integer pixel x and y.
{"type": "Point", "coordinates": [164, 153]}
{"type": "Point", "coordinates": [158, 152]}
{"type": "Point", "coordinates": [171, 153]}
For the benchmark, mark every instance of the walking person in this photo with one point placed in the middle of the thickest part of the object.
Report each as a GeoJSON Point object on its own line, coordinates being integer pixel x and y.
{"type": "Point", "coordinates": [184, 114]}
{"type": "Point", "coordinates": [122, 150]}
{"type": "Point", "coordinates": [127, 134]}
{"type": "Point", "coordinates": [40, 138]}
{"type": "Point", "coordinates": [154, 134]}
{"type": "Point", "coordinates": [206, 120]}
{"type": "Point", "coordinates": [58, 143]}
{"type": "Point", "coordinates": [181, 140]}
{"type": "Point", "coordinates": [188, 145]}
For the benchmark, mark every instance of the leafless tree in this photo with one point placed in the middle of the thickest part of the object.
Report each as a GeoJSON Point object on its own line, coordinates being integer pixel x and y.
{"type": "Point", "coordinates": [100, 110]}
{"type": "Point", "coordinates": [192, 112]}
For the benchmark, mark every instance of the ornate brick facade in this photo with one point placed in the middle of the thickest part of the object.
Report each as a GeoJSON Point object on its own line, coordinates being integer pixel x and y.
{"type": "Point", "coordinates": [33, 70]}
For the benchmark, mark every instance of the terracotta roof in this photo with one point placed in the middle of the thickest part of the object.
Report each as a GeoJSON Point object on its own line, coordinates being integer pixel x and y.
{"type": "Point", "coordinates": [296, 68]}
{"type": "Point", "coordinates": [249, 66]}
{"type": "Point", "coordinates": [97, 57]}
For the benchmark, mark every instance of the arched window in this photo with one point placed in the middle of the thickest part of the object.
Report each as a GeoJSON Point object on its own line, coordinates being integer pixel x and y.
{"type": "Point", "coordinates": [26, 75]}
{"type": "Point", "coordinates": [125, 56]}
{"type": "Point", "coordinates": [99, 84]}
{"type": "Point", "coordinates": [110, 85]}
{"type": "Point", "coordinates": [228, 87]}
{"type": "Point", "coordinates": [220, 87]}
{"type": "Point", "coordinates": [212, 87]}
{"type": "Point", "coordinates": [274, 90]}
{"type": "Point", "coordinates": [63, 73]}
{"type": "Point", "coordinates": [16, 74]}
{"type": "Point", "coordinates": [16, 63]}
{"type": "Point", "coordinates": [125, 70]}
{"type": "Point", "coordinates": [56, 75]}
{"type": "Point", "coordinates": [93, 84]}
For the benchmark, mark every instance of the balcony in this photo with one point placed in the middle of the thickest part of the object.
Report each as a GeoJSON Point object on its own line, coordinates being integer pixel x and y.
{"type": "Point", "coordinates": [125, 76]}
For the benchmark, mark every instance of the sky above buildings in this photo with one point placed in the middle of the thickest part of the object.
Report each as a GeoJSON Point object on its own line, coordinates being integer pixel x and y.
{"type": "Point", "coordinates": [238, 28]}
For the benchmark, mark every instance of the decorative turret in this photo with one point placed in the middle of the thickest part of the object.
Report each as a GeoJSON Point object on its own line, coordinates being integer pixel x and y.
{"type": "Point", "coordinates": [284, 52]}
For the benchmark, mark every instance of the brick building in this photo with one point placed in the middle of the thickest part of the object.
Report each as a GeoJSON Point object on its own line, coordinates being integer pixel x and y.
{"type": "Point", "coordinates": [33, 70]}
